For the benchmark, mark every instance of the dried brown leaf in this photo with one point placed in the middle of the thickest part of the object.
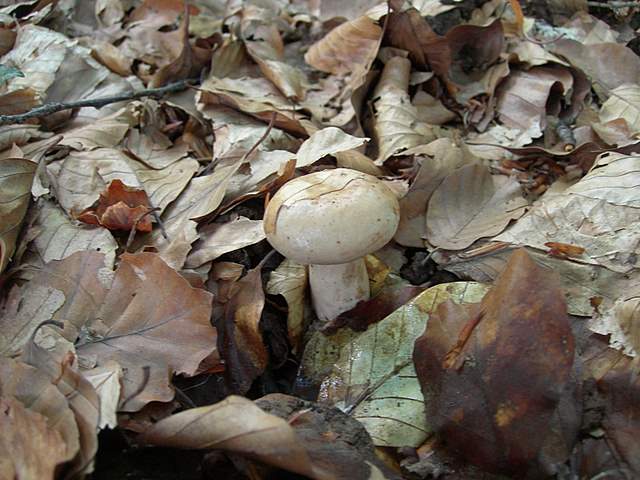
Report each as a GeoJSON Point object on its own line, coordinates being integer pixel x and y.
{"type": "Point", "coordinates": [29, 448]}
{"type": "Point", "coordinates": [470, 204]}
{"type": "Point", "coordinates": [240, 340]}
{"type": "Point", "coordinates": [151, 319]}
{"type": "Point", "coordinates": [16, 176]}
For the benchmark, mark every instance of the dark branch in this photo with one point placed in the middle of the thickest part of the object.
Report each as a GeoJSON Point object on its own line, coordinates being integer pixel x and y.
{"type": "Point", "coordinates": [54, 107]}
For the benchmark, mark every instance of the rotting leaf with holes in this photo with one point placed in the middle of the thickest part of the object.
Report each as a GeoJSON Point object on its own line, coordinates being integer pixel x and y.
{"type": "Point", "coordinates": [502, 392]}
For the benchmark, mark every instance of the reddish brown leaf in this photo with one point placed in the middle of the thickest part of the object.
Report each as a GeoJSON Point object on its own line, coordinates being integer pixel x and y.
{"type": "Point", "coordinates": [474, 47]}
{"type": "Point", "coordinates": [120, 208]}
{"type": "Point", "coordinates": [506, 404]}
{"type": "Point", "coordinates": [368, 312]}
{"type": "Point", "coordinates": [410, 31]}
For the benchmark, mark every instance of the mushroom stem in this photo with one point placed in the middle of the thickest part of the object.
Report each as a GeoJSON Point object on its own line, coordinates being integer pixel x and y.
{"type": "Point", "coordinates": [338, 288]}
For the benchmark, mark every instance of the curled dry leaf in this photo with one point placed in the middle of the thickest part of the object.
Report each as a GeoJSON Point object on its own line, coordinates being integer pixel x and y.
{"type": "Point", "coordinates": [624, 103]}
{"type": "Point", "coordinates": [16, 177]}
{"type": "Point", "coordinates": [35, 391]}
{"type": "Point", "coordinates": [502, 393]}
{"type": "Point", "coordinates": [120, 208]}
{"type": "Point", "coordinates": [410, 31]}
{"type": "Point", "coordinates": [327, 141]}
{"type": "Point", "coordinates": [316, 441]}
{"type": "Point", "coordinates": [396, 125]}
{"type": "Point", "coordinates": [470, 204]}
{"type": "Point", "coordinates": [240, 341]}
{"type": "Point", "coordinates": [236, 425]}
{"type": "Point", "coordinates": [370, 374]}
{"type": "Point", "coordinates": [441, 158]}
{"type": "Point", "coordinates": [29, 447]}
{"type": "Point", "coordinates": [217, 239]}
{"type": "Point", "coordinates": [265, 46]}
{"type": "Point", "coordinates": [290, 281]}
{"type": "Point", "coordinates": [526, 97]}
{"type": "Point", "coordinates": [348, 49]}
{"type": "Point", "coordinates": [107, 382]}
{"type": "Point", "coordinates": [80, 394]}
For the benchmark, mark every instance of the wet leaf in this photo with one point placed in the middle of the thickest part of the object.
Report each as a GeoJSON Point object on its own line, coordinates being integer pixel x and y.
{"type": "Point", "coordinates": [370, 374]}
{"type": "Point", "coordinates": [497, 378]}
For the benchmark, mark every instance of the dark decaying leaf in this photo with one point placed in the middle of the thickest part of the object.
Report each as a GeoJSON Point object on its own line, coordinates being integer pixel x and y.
{"type": "Point", "coordinates": [277, 430]}
{"type": "Point", "coordinates": [502, 395]}
{"type": "Point", "coordinates": [240, 340]}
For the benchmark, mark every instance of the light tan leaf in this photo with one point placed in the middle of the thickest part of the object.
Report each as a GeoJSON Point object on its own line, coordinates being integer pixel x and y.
{"type": "Point", "coordinates": [254, 96]}
{"type": "Point", "coordinates": [290, 281]}
{"type": "Point", "coordinates": [523, 99]}
{"type": "Point", "coordinates": [236, 425]}
{"type": "Point", "coordinates": [20, 135]}
{"type": "Point", "coordinates": [201, 197]}
{"type": "Point", "coordinates": [471, 204]}
{"type": "Point", "coordinates": [264, 44]}
{"type": "Point", "coordinates": [355, 160]}
{"type": "Point", "coordinates": [82, 176]}
{"type": "Point", "coordinates": [16, 176]}
{"type": "Point", "coordinates": [106, 380]}
{"type": "Point", "coordinates": [174, 251]}
{"type": "Point", "coordinates": [20, 318]}
{"type": "Point", "coordinates": [80, 280]}
{"type": "Point", "coordinates": [371, 375]}
{"type": "Point", "coordinates": [607, 199]}
{"type": "Point", "coordinates": [442, 158]}
{"type": "Point", "coordinates": [29, 448]}
{"type": "Point", "coordinates": [350, 48]}
{"type": "Point", "coordinates": [396, 120]}
{"type": "Point", "coordinates": [431, 110]}
{"type": "Point", "coordinates": [58, 237]}
{"type": "Point", "coordinates": [106, 132]}
{"type": "Point", "coordinates": [35, 391]}
{"type": "Point", "coordinates": [327, 141]}
{"type": "Point", "coordinates": [217, 239]}
{"type": "Point", "coordinates": [624, 103]}
{"type": "Point", "coordinates": [150, 318]}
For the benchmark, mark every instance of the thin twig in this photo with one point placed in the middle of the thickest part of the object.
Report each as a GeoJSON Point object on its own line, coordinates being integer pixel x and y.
{"type": "Point", "coordinates": [54, 107]}
{"type": "Point", "coordinates": [613, 5]}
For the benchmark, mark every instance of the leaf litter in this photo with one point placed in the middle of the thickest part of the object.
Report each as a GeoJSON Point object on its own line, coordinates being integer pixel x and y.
{"type": "Point", "coordinates": [142, 306]}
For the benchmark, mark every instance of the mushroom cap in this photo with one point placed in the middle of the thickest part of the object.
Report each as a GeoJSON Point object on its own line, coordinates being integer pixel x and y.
{"type": "Point", "coordinates": [331, 217]}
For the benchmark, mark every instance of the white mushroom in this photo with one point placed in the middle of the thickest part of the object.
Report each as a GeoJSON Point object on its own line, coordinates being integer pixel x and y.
{"type": "Point", "coordinates": [330, 220]}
